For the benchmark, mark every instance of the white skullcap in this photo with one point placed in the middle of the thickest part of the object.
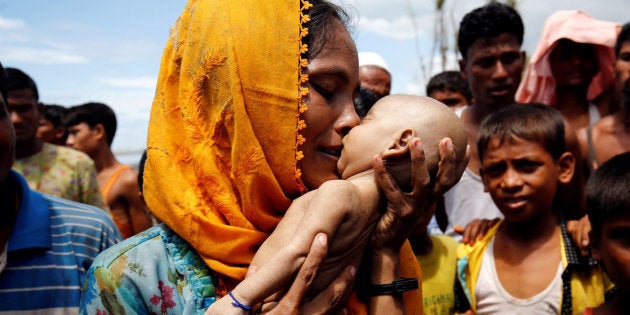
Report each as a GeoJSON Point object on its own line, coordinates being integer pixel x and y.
{"type": "Point", "coordinates": [369, 58]}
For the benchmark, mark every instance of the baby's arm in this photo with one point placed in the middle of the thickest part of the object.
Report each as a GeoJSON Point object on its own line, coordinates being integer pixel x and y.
{"type": "Point", "coordinates": [321, 210]}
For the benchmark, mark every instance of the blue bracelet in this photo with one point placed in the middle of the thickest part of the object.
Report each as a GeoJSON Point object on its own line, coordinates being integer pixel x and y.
{"type": "Point", "coordinates": [239, 304]}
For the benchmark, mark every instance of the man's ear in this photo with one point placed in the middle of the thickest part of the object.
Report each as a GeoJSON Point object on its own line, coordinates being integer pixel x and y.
{"type": "Point", "coordinates": [60, 131]}
{"type": "Point", "coordinates": [566, 167]}
{"type": "Point", "coordinates": [400, 146]}
{"type": "Point", "coordinates": [99, 131]}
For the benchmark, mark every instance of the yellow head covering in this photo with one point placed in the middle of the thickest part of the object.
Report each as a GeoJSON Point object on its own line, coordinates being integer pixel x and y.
{"type": "Point", "coordinates": [223, 133]}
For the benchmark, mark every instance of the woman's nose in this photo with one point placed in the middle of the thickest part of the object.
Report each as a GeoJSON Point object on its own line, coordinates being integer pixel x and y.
{"type": "Point", "coordinates": [347, 120]}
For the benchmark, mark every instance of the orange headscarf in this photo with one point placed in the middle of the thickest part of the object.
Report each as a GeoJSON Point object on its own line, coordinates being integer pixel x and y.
{"type": "Point", "coordinates": [224, 134]}
{"type": "Point", "coordinates": [538, 84]}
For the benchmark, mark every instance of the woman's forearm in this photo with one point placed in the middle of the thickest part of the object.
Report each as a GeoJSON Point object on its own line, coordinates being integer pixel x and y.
{"type": "Point", "coordinates": [384, 270]}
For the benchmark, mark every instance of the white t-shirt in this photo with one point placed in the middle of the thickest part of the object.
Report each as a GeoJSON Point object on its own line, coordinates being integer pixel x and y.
{"type": "Point", "coordinates": [467, 201]}
{"type": "Point", "coordinates": [492, 298]}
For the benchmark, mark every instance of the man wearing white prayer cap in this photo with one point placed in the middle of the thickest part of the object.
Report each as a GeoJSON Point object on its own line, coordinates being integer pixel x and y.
{"type": "Point", "coordinates": [374, 73]}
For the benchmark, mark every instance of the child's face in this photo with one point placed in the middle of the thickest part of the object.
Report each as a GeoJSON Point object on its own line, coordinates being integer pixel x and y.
{"type": "Point", "coordinates": [612, 248]}
{"type": "Point", "coordinates": [451, 98]}
{"type": "Point", "coordinates": [521, 176]}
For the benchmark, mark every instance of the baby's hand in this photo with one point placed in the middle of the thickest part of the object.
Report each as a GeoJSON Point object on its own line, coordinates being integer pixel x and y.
{"type": "Point", "coordinates": [228, 305]}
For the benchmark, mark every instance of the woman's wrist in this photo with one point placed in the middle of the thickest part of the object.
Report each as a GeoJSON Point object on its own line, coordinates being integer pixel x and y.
{"type": "Point", "coordinates": [384, 267]}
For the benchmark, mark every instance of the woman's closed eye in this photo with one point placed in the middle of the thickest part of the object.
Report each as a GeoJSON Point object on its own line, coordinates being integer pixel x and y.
{"type": "Point", "coordinates": [325, 90]}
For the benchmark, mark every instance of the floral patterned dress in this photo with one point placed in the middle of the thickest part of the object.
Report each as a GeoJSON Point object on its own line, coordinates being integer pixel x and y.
{"type": "Point", "coordinates": [154, 272]}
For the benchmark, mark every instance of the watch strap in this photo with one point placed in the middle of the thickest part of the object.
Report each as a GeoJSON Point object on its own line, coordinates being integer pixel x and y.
{"type": "Point", "coordinates": [397, 287]}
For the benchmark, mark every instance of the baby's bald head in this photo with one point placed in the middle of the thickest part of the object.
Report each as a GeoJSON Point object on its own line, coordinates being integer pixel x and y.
{"type": "Point", "coordinates": [391, 123]}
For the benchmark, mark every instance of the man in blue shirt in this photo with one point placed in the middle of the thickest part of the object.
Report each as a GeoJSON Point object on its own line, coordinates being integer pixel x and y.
{"type": "Point", "coordinates": [46, 243]}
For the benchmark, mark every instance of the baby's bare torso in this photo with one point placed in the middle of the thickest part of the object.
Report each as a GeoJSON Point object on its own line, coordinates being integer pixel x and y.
{"type": "Point", "coordinates": [352, 218]}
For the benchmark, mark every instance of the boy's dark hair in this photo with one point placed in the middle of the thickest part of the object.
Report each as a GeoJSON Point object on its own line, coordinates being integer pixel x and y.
{"type": "Point", "coordinates": [320, 27]}
{"type": "Point", "coordinates": [608, 191]}
{"type": "Point", "coordinates": [450, 80]}
{"type": "Point", "coordinates": [55, 114]}
{"type": "Point", "coordinates": [93, 114]}
{"type": "Point", "coordinates": [364, 101]}
{"type": "Point", "coordinates": [489, 21]}
{"type": "Point", "coordinates": [623, 37]}
{"type": "Point", "coordinates": [532, 122]}
{"type": "Point", "coordinates": [17, 80]}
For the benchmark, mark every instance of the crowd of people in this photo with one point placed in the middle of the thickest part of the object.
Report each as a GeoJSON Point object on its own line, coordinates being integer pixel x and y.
{"type": "Point", "coordinates": [281, 176]}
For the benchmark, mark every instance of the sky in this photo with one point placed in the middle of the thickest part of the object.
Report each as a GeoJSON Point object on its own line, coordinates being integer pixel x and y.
{"type": "Point", "coordinates": [109, 51]}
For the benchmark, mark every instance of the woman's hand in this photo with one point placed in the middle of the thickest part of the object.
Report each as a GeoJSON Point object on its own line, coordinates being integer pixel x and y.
{"type": "Point", "coordinates": [294, 301]}
{"type": "Point", "coordinates": [405, 209]}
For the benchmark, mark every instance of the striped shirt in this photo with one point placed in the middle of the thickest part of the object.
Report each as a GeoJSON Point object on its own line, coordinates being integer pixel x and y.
{"type": "Point", "coordinates": [52, 245]}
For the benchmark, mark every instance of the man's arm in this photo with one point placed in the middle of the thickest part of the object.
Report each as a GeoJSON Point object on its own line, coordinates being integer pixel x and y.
{"type": "Point", "coordinates": [139, 217]}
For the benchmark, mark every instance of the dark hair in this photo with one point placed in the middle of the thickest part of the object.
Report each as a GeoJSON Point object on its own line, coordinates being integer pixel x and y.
{"type": "Point", "coordinates": [533, 122]}
{"type": "Point", "coordinates": [55, 114]}
{"type": "Point", "coordinates": [364, 101]}
{"type": "Point", "coordinates": [17, 80]}
{"type": "Point", "coordinates": [143, 161]}
{"type": "Point", "coordinates": [3, 83]}
{"type": "Point", "coordinates": [450, 80]}
{"type": "Point", "coordinates": [623, 37]}
{"type": "Point", "coordinates": [321, 14]}
{"type": "Point", "coordinates": [489, 21]}
{"type": "Point", "coordinates": [608, 191]}
{"type": "Point", "coordinates": [93, 114]}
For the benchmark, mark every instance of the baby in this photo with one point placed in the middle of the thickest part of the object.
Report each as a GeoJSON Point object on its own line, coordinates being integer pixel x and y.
{"type": "Point", "coordinates": [348, 209]}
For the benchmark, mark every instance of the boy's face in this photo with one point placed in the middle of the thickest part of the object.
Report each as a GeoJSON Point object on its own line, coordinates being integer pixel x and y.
{"type": "Point", "coordinates": [83, 138]}
{"type": "Point", "coordinates": [521, 176]}
{"type": "Point", "coordinates": [612, 248]}
{"type": "Point", "coordinates": [48, 132]}
{"type": "Point", "coordinates": [493, 69]}
{"type": "Point", "coordinates": [451, 98]}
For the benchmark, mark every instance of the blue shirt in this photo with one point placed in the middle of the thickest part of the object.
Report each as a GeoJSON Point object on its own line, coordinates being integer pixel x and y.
{"type": "Point", "coordinates": [50, 249]}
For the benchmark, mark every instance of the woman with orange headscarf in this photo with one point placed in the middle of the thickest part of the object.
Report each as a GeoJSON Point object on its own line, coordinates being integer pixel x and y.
{"type": "Point", "coordinates": [252, 102]}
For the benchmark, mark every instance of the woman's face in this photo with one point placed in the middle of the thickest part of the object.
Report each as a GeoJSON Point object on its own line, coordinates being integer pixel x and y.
{"type": "Point", "coordinates": [333, 84]}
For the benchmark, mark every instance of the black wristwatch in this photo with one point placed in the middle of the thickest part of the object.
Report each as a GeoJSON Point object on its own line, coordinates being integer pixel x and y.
{"type": "Point", "coordinates": [397, 287]}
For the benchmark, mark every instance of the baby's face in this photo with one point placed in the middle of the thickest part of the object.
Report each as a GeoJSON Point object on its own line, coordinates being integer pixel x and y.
{"type": "Point", "coordinates": [363, 142]}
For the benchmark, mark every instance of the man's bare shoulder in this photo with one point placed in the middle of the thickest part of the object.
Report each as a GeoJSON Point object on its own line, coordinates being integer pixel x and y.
{"type": "Point", "coordinates": [126, 184]}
